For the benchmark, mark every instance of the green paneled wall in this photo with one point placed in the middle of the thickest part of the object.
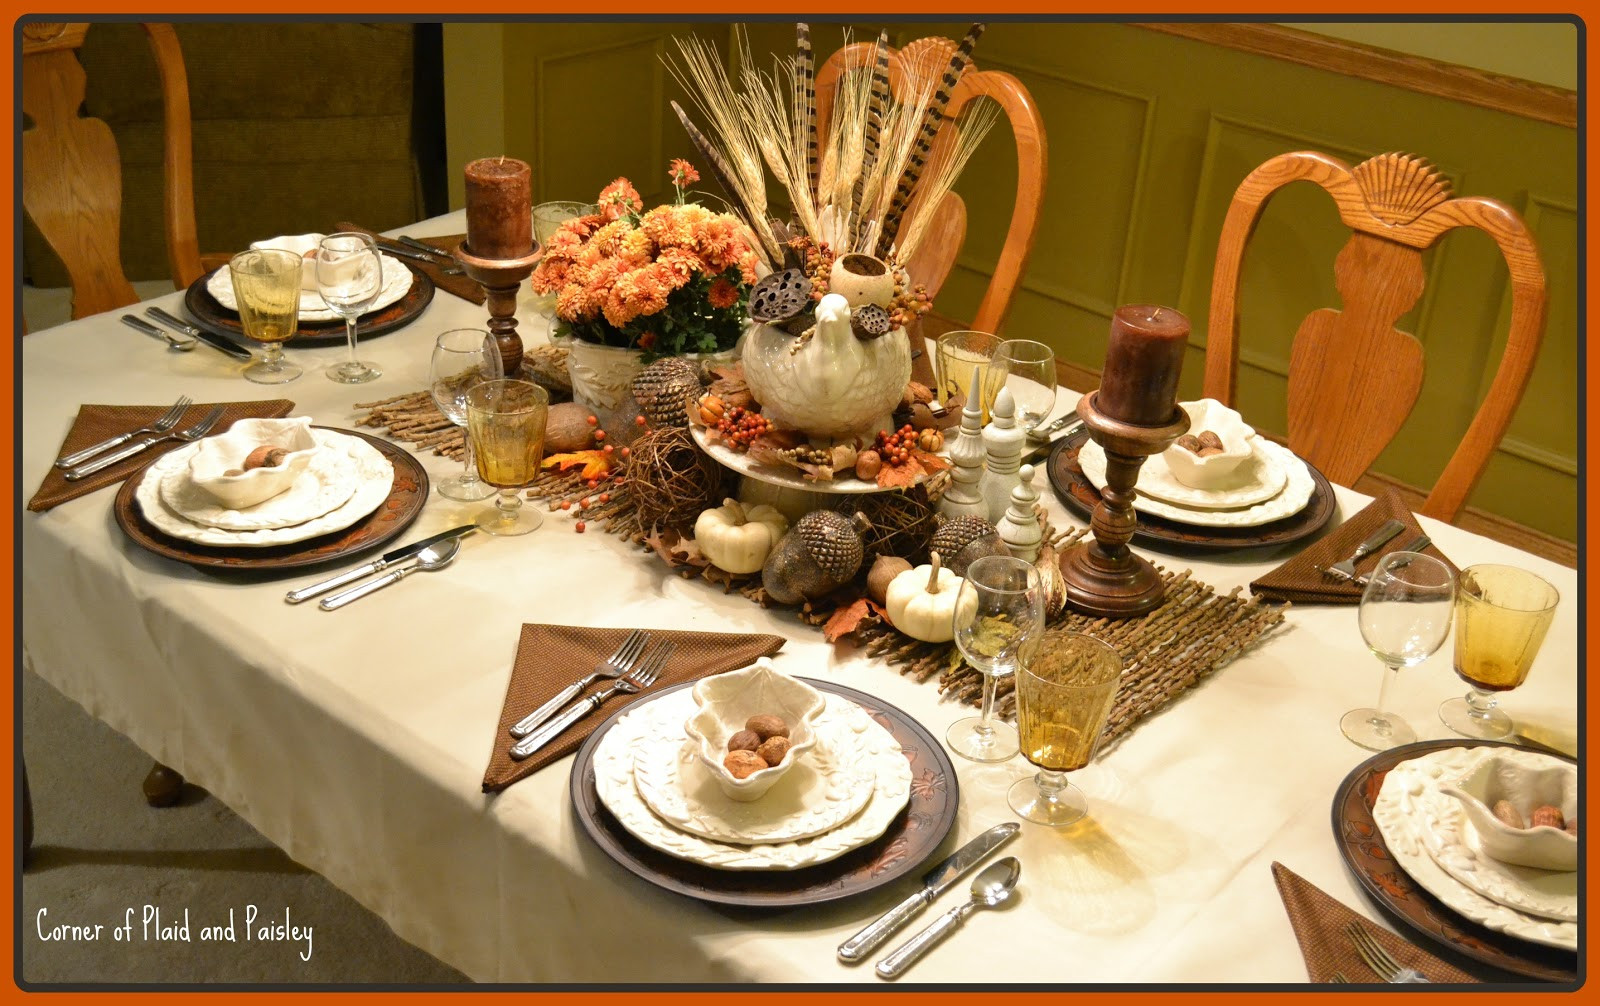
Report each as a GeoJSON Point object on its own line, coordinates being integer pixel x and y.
{"type": "Point", "coordinates": [1149, 134]}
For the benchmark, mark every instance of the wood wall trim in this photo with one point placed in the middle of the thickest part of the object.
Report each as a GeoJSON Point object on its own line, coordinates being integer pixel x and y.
{"type": "Point", "coordinates": [1511, 95]}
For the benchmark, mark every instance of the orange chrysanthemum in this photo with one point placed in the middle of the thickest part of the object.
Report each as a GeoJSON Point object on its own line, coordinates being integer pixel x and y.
{"type": "Point", "coordinates": [722, 293]}
{"type": "Point", "coordinates": [682, 173]}
{"type": "Point", "coordinates": [619, 199]}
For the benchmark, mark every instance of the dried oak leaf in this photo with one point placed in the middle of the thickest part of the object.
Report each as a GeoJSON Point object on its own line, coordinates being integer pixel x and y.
{"type": "Point", "coordinates": [901, 476]}
{"type": "Point", "coordinates": [930, 462]}
{"type": "Point", "coordinates": [678, 551]}
{"type": "Point", "coordinates": [595, 463]}
{"type": "Point", "coordinates": [846, 620]}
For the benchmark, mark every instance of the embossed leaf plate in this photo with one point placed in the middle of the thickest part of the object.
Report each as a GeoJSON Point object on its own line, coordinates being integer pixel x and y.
{"type": "Point", "coordinates": [1259, 478]}
{"type": "Point", "coordinates": [396, 282]}
{"type": "Point", "coordinates": [327, 481]}
{"type": "Point", "coordinates": [1295, 494]}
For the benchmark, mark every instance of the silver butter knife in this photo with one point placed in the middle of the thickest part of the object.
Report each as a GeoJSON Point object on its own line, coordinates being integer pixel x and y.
{"type": "Point", "coordinates": [934, 883]}
{"type": "Point", "coordinates": [211, 339]}
{"type": "Point", "coordinates": [377, 565]}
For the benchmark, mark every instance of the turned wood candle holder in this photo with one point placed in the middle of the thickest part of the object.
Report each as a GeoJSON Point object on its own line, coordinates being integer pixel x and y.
{"type": "Point", "coordinates": [1103, 576]}
{"type": "Point", "coordinates": [501, 278]}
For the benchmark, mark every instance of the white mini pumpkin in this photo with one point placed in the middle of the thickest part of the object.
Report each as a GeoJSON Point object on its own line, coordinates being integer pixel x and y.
{"type": "Point", "coordinates": [922, 602]}
{"type": "Point", "coordinates": [737, 538]}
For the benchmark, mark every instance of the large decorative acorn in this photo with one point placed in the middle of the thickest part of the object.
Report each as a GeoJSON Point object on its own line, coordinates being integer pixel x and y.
{"type": "Point", "coordinates": [664, 390]}
{"type": "Point", "coordinates": [820, 554]}
{"type": "Point", "coordinates": [966, 539]}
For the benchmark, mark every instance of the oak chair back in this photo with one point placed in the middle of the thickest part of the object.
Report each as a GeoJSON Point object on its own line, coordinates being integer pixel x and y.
{"type": "Point", "coordinates": [937, 255]}
{"type": "Point", "coordinates": [1354, 377]}
{"type": "Point", "coordinates": [72, 175]}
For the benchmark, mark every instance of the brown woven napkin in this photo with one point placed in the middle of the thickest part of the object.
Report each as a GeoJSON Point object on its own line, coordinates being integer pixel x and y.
{"type": "Point", "coordinates": [1319, 927]}
{"type": "Point", "coordinates": [99, 422]}
{"type": "Point", "coordinates": [1299, 579]}
{"type": "Point", "coordinates": [462, 286]}
{"type": "Point", "coordinates": [550, 657]}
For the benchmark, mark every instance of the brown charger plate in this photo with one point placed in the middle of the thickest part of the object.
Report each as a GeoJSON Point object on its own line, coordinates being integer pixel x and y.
{"type": "Point", "coordinates": [205, 309]}
{"type": "Point", "coordinates": [1362, 847]}
{"type": "Point", "coordinates": [1079, 495]}
{"type": "Point", "coordinates": [910, 840]}
{"type": "Point", "coordinates": [392, 516]}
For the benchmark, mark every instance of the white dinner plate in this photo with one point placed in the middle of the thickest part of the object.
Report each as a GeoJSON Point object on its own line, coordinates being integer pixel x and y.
{"type": "Point", "coordinates": [1397, 816]}
{"type": "Point", "coordinates": [827, 786]}
{"type": "Point", "coordinates": [397, 280]}
{"type": "Point", "coordinates": [374, 478]}
{"type": "Point", "coordinates": [1258, 478]}
{"type": "Point", "coordinates": [614, 783]}
{"type": "Point", "coordinates": [1296, 493]}
{"type": "Point", "coordinates": [328, 481]}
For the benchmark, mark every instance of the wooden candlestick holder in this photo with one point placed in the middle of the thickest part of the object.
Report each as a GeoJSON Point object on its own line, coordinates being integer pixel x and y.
{"type": "Point", "coordinates": [501, 278]}
{"type": "Point", "coordinates": [1103, 576]}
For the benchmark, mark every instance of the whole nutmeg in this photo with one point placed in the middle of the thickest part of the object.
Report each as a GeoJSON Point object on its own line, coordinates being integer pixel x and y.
{"type": "Point", "coordinates": [1548, 816]}
{"type": "Point", "coordinates": [1209, 438]}
{"type": "Point", "coordinates": [743, 763]}
{"type": "Point", "coordinates": [884, 569]}
{"type": "Point", "coordinates": [1508, 814]}
{"type": "Point", "coordinates": [773, 749]}
{"type": "Point", "coordinates": [1207, 452]}
{"type": "Point", "coordinates": [868, 464]}
{"type": "Point", "coordinates": [744, 740]}
{"type": "Point", "coordinates": [1188, 442]}
{"type": "Point", "coordinates": [265, 456]}
{"type": "Point", "coordinates": [767, 726]}
{"type": "Point", "coordinates": [931, 440]}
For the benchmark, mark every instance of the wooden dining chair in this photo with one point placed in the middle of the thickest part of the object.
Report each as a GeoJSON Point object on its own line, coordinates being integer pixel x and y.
{"type": "Point", "coordinates": [1354, 377]}
{"type": "Point", "coordinates": [72, 175]}
{"type": "Point", "coordinates": [935, 259]}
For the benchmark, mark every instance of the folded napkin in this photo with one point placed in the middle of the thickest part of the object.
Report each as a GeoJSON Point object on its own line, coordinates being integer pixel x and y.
{"type": "Point", "coordinates": [1301, 581]}
{"type": "Point", "coordinates": [462, 286]}
{"type": "Point", "coordinates": [550, 657]}
{"type": "Point", "coordinates": [99, 422]}
{"type": "Point", "coordinates": [1319, 927]}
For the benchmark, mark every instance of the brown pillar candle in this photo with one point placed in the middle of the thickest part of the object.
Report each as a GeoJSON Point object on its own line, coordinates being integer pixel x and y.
{"type": "Point", "coordinates": [1143, 360]}
{"type": "Point", "coordinates": [499, 208]}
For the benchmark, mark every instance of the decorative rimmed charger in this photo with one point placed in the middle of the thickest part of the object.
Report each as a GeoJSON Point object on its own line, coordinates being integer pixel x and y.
{"type": "Point", "coordinates": [207, 311]}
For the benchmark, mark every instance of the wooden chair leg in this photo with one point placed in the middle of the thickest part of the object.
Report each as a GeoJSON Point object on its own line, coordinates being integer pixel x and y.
{"type": "Point", "coordinates": [162, 786]}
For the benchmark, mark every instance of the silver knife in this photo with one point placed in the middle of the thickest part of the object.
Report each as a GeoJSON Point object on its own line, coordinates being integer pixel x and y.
{"type": "Point", "coordinates": [1041, 432]}
{"type": "Point", "coordinates": [211, 339]}
{"type": "Point", "coordinates": [411, 242]}
{"type": "Point", "coordinates": [934, 883]}
{"type": "Point", "coordinates": [388, 559]}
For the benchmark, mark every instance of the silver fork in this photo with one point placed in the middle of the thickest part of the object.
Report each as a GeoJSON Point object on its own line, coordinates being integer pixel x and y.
{"type": "Point", "coordinates": [1346, 570]}
{"type": "Point", "coordinates": [640, 677]}
{"type": "Point", "coordinates": [1416, 544]}
{"type": "Point", "coordinates": [168, 420]}
{"type": "Point", "coordinates": [189, 435]}
{"type": "Point", "coordinates": [1378, 959]}
{"type": "Point", "coordinates": [613, 666]}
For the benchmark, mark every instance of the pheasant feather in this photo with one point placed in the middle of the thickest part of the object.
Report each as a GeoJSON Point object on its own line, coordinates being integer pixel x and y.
{"type": "Point", "coordinates": [720, 169]}
{"type": "Point", "coordinates": [806, 93]}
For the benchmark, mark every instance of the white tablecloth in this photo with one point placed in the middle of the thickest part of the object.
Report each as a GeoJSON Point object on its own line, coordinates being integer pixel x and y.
{"type": "Point", "coordinates": [357, 740]}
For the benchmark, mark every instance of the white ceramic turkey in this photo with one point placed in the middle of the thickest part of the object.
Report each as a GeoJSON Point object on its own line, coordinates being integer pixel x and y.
{"type": "Point", "coordinates": [226, 452]}
{"type": "Point", "coordinates": [725, 702]}
{"type": "Point", "coordinates": [1528, 779]}
{"type": "Point", "coordinates": [1213, 472]}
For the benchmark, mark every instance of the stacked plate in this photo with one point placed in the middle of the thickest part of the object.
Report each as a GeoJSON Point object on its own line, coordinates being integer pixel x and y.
{"type": "Point", "coordinates": [1270, 485]}
{"type": "Point", "coordinates": [346, 479]}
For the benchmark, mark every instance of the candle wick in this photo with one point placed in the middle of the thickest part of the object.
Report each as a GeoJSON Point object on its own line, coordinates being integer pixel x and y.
{"type": "Point", "coordinates": [1156, 316]}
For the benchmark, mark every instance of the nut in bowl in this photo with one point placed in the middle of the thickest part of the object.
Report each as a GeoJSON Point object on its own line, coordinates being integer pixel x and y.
{"type": "Point", "coordinates": [1218, 442]}
{"type": "Point", "coordinates": [255, 460]}
{"type": "Point", "coordinates": [741, 716]}
{"type": "Point", "coordinates": [1522, 804]}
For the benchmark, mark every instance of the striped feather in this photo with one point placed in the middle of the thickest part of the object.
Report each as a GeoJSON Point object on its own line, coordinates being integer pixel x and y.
{"type": "Point", "coordinates": [877, 104]}
{"type": "Point", "coordinates": [724, 175]}
{"type": "Point", "coordinates": [806, 84]}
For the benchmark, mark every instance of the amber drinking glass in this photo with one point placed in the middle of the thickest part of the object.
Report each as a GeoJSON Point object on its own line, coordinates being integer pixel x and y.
{"type": "Point", "coordinates": [266, 288]}
{"type": "Point", "coordinates": [1502, 615]}
{"type": "Point", "coordinates": [956, 354]}
{"type": "Point", "coordinates": [1064, 696]}
{"type": "Point", "coordinates": [505, 420]}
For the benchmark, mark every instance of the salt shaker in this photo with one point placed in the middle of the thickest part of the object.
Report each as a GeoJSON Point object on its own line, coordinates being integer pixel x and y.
{"type": "Point", "coordinates": [965, 492]}
{"type": "Point", "coordinates": [1019, 528]}
{"type": "Point", "coordinates": [1003, 443]}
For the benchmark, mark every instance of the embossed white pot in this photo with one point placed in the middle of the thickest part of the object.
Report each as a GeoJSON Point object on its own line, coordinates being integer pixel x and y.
{"type": "Point", "coordinates": [602, 379]}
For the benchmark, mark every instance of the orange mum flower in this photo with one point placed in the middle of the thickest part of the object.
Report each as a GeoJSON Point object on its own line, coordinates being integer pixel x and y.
{"type": "Point", "coordinates": [682, 173]}
{"type": "Point", "coordinates": [619, 199]}
{"type": "Point", "coordinates": [722, 293]}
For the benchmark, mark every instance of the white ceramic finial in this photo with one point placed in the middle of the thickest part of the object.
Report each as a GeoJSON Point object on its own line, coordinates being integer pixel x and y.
{"type": "Point", "coordinates": [965, 493]}
{"type": "Point", "coordinates": [1003, 443]}
{"type": "Point", "coordinates": [1019, 528]}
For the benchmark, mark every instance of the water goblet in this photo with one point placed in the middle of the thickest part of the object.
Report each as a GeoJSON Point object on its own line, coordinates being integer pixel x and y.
{"type": "Point", "coordinates": [505, 420]}
{"type": "Point", "coordinates": [1028, 368]}
{"type": "Point", "coordinates": [266, 288]}
{"type": "Point", "coordinates": [1064, 695]}
{"type": "Point", "coordinates": [1404, 616]}
{"type": "Point", "coordinates": [960, 355]}
{"type": "Point", "coordinates": [463, 358]}
{"type": "Point", "coordinates": [349, 277]}
{"type": "Point", "coordinates": [547, 219]}
{"type": "Point", "coordinates": [998, 621]}
{"type": "Point", "coordinates": [1502, 615]}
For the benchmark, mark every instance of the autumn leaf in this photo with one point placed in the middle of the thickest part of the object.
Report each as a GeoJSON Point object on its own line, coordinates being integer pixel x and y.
{"type": "Point", "coordinates": [930, 462]}
{"type": "Point", "coordinates": [595, 463]}
{"type": "Point", "coordinates": [676, 550]}
{"type": "Point", "coordinates": [847, 619]}
{"type": "Point", "coordinates": [901, 476]}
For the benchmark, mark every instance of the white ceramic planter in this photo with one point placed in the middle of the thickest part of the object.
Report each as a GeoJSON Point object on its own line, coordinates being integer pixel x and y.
{"type": "Point", "coordinates": [602, 379]}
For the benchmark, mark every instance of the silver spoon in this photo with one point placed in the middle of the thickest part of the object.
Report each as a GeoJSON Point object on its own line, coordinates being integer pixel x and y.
{"type": "Point", "coordinates": [174, 343]}
{"type": "Point", "coordinates": [990, 889]}
{"type": "Point", "coordinates": [434, 557]}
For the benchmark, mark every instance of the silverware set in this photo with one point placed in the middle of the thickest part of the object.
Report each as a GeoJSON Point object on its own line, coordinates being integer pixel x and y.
{"type": "Point", "coordinates": [191, 334]}
{"type": "Point", "coordinates": [1416, 544]}
{"type": "Point", "coordinates": [141, 439]}
{"type": "Point", "coordinates": [643, 669]}
{"type": "Point", "coordinates": [430, 554]}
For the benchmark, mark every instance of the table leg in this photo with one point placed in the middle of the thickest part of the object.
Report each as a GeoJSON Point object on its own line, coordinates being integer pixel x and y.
{"type": "Point", "coordinates": [162, 786]}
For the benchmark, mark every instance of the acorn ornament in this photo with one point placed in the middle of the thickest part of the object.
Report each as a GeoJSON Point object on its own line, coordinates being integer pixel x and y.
{"type": "Point", "coordinates": [664, 390]}
{"type": "Point", "coordinates": [965, 540]}
{"type": "Point", "coordinates": [820, 554]}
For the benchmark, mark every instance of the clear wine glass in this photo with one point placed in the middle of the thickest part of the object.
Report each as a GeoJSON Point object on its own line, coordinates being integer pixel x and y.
{"type": "Point", "coordinates": [1502, 616]}
{"type": "Point", "coordinates": [506, 420]}
{"type": "Point", "coordinates": [463, 358]}
{"type": "Point", "coordinates": [1064, 695]}
{"type": "Point", "coordinates": [266, 288]}
{"type": "Point", "coordinates": [350, 277]}
{"type": "Point", "coordinates": [1028, 368]}
{"type": "Point", "coordinates": [998, 621]}
{"type": "Point", "coordinates": [1404, 615]}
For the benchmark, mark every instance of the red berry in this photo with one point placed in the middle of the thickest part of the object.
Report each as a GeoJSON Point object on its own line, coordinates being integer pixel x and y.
{"type": "Point", "coordinates": [599, 435]}
{"type": "Point", "coordinates": [609, 448]}
{"type": "Point", "coordinates": [593, 420]}
{"type": "Point", "coordinates": [580, 527]}
{"type": "Point", "coordinates": [638, 420]}
{"type": "Point", "coordinates": [584, 503]}
{"type": "Point", "coordinates": [626, 452]}
{"type": "Point", "coordinates": [566, 504]}
{"type": "Point", "coordinates": [605, 497]}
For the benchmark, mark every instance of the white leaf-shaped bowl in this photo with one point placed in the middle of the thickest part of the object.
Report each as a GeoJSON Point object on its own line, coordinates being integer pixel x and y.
{"type": "Point", "coordinates": [1528, 780]}
{"type": "Point", "coordinates": [303, 245]}
{"type": "Point", "coordinates": [1197, 472]}
{"type": "Point", "coordinates": [724, 703]}
{"type": "Point", "coordinates": [226, 452]}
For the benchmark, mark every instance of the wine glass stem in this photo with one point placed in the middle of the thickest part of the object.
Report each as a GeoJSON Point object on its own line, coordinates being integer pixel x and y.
{"type": "Point", "coordinates": [1390, 673]}
{"type": "Point", "coordinates": [272, 356]}
{"type": "Point", "coordinates": [1480, 704]}
{"type": "Point", "coordinates": [509, 503]}
{"type": "Point", "coordinates": [350, 336]}
{"type": "Point", "coordinates": [989, 686]}
{"type": "Point", "coordinates": [1050, 782]}
{"type": "Point", "coordinates": [469, 476]}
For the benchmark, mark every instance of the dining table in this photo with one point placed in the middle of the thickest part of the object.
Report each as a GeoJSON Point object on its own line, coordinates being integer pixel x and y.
{"type": "Point", "coordinates": [356, 739]}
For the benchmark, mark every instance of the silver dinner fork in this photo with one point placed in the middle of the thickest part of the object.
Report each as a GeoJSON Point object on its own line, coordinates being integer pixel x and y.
{"type": "Point", "coordinates": [614, 666]}
{"type": "Point", "coordinates": [1416, 544]}
{"type": "Point", "coordinates": [1379, 960]}
{"type": "Point", "coordinates": [640, 677]}
{"type": "Point", "coordinates": [168, 420]}
{"type": "Point", "coordinates": [189, 435]}
{"type": "Point", "coordinates": [1346, 569]}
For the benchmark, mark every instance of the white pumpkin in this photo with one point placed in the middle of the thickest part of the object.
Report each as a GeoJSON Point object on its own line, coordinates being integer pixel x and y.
{"type": "Point", "coordinates": [737, 538]}
{"type": "Point", "coordinates": [922, 602]}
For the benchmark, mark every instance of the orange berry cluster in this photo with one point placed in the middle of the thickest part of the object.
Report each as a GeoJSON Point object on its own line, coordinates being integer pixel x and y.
{"type": "Point", "coordinates": [895, 448]}
{"type": "Point", "coordinates": [740, 427]}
